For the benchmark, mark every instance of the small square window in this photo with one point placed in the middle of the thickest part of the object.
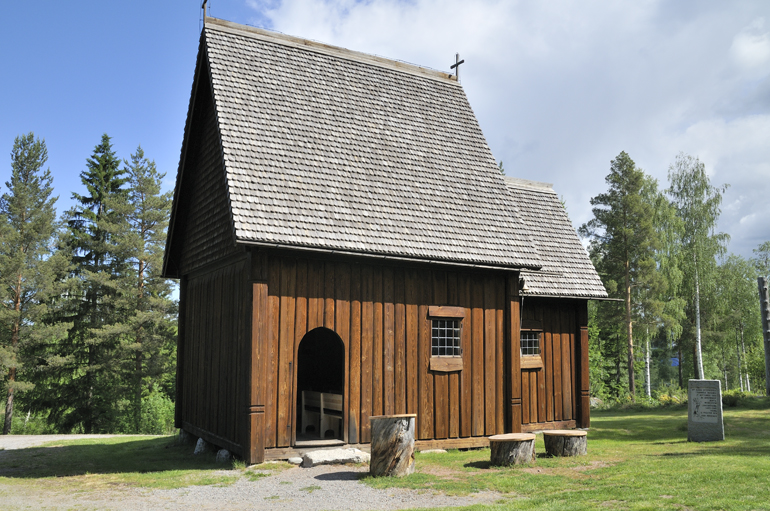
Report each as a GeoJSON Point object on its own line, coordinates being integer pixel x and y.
{"type": "Point", "coordinates": [445, 338]}
{"type": "Point", "coordinates": [530, 343]}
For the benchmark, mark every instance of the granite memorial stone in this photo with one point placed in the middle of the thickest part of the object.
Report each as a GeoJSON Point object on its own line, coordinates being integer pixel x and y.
{"type": "Point", "coordinates": [704, 422]}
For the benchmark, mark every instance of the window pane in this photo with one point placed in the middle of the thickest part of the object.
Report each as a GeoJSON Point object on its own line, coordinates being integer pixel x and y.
{"type": "Point", "coordinates": [445, 337]}
{"type": "Point", "coordinates": [530, 343]}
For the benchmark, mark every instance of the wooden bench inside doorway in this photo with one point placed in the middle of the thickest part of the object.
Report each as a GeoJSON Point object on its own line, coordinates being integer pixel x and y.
{"type": "Point", "coordinates": [325, 410]}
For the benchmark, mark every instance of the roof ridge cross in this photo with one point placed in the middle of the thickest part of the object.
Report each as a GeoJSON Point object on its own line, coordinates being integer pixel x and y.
{"type": "Point", "coordinates": [456, 66]}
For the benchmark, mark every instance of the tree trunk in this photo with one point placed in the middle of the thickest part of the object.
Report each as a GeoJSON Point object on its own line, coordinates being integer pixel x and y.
{"type": "Point", "coordinates": [9, 402]}
{"type": "Point", "coordinates": [699, 360]}
{"type": "Point", "coordinates": [15, 334]}
{"type": "Point", "coordinates": [694, 361]}
{"type": "Point", "coordinates": [743, 350]}
{"type": "Point", "coordinates": [630, 330]}
{"type": "Point", "coordinates": [511, 449]}
{"type": "Point", "coordinates": [764, 309]}
{"type": "Point", "coordinates": [740, 365]}
{"type": "Point", "coordinates": [392, 448]}
{"type": "Point", "coordinates": [647, 365]}
{"type": "Point", "coordinates": [138, 391]}
{"type": "Point", "coordinates": [139, 340]}
{"type": "Point", "coordinates": [565, 442]}
{"type": "Point", "coordinates": [679, 354]}
{"type": "Point", "coordinates": [88, 426]}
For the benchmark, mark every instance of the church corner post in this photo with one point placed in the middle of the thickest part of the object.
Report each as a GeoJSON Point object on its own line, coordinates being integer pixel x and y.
{"type": "Point", "coordinates": [515, 352]}
{"type": "Point", "coordinates": [256, 366]}
{"type": "Point", "coordinates": [584, 411]}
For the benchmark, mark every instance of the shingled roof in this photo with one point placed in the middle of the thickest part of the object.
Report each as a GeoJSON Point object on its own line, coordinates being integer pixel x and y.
{"type": "Point", "coordinates": [567, 270]}
{"type": "Point", "coordinates": [330, 149]}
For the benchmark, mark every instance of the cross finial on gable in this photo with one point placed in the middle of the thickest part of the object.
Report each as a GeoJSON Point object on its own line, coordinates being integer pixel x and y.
{"type": "Point", "coordinates": [456, 66]}
{"type": "Point", "coordinates": [203, 6]}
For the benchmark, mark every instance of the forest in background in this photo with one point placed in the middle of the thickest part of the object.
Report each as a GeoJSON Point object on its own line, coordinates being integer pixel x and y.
{"type": "Point", "coordinates": [87, 324]}
{"type": "Point", "coordinates": [685, 308]}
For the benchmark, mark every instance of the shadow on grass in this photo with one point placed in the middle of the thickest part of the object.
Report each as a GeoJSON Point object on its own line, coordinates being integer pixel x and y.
{"type": "Point", "coordinates": [104, 456]}
{"type": "Point", "coordinates": [727, 447]}
{"type": "Point", "coordinates": [479, 464]}
{"type": "Point", "coordinates": [679, 454]}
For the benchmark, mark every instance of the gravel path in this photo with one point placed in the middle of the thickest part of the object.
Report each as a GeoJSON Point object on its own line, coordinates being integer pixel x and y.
{"type": "Point", "coordinates": [24, 441]}
{"type": "Point", "coordinates": [325, 487]}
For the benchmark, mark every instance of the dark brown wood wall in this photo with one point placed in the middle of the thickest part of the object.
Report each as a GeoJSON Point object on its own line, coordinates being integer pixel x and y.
{"type": "Point", "coordinates": [203, 227]}
{"type": "Point", "coordinates": [548, 394]}
{"type": "Point", "coordinates": [380, 312]}
{"type": "Point", "coordinates": [217, 307]}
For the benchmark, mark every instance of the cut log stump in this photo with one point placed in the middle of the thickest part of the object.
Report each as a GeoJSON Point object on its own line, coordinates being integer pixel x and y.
{"type": "Point", "coordinates": [512, 449]}
{"type": "Point", "coordinates": [392, 446]}
{"type": "Point", "coordinates": [565, 442]}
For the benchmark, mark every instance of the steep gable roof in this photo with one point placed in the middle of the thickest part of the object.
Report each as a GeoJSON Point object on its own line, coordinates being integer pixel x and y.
{"type": "Point", "coordinates": [330, 149]}
{"type": "Point", "coordinates": [567, 269]}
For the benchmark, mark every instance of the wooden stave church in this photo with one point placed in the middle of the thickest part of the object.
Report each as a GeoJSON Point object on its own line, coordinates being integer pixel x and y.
{"type": "Point", "coordinates": [341, 198]}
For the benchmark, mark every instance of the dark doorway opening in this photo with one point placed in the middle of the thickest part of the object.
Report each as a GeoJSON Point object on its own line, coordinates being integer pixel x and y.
{"type": "Point", "coordinates": [320, 386]}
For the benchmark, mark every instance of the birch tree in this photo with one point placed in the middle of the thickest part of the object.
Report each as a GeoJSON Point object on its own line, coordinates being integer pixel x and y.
{"type": "Point", "coordinates": [762, 259]}
{"type": "Point", "coordinates": [740, 315]}
{"type": "Point", "coordinates": [698, 205]}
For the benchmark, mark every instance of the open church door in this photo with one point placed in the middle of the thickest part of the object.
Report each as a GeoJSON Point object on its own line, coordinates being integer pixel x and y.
{"type": "Point", "coordinates": [320, 388]}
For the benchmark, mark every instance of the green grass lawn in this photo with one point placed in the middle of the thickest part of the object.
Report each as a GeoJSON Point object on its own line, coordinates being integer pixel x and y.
{"type": "Point", "coordinates": [636, 460]}
{"type": "Point", "coordinates": [147, 462]}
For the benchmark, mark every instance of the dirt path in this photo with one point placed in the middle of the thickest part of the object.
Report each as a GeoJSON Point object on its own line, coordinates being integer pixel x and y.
{"type": "Point", "coordinates": [314, 489]}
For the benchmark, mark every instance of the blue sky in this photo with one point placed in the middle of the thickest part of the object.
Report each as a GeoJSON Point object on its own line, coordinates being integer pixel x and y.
{"type": "Point", "coordinates": [78, 70]}
{"type": "Point", "coordinates": [559, 87]}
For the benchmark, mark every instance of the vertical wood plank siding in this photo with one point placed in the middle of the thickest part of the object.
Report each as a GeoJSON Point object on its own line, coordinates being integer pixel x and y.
{"type": "Point", "coordinates": [214, 390]}
{"type": "Point", "coordinates": [551, 393]}
{"type": "Point", "coordinates": [381, 315]}
{"type": "Point", "coordinates": [268, 304]}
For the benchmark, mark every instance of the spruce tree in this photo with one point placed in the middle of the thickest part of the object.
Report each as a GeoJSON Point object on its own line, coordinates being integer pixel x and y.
{"type": "Point", "coordinates": [85, 391]}
{"type": "Point", "coordinates": [29, 268]}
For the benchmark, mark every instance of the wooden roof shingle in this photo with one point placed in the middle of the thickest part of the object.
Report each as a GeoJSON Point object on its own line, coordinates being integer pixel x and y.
{"type": "Point", "coordinates": [567, 270]}
{"type": "Point", "coordinates": [330, 149]}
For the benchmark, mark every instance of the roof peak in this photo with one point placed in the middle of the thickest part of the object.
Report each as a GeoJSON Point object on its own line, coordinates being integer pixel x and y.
{"type": "Point", "coordinates": [327, 49]}
{"type": "Point", "coordinates": [526, 183]}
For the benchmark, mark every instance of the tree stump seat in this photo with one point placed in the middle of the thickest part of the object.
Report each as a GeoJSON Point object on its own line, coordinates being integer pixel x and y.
{"type": "Point", "coordinates": [512, 449]}
{"type": "Point", "coordinates": [392, 448]}
{"type": "Point", "coordinates": [565, 442]}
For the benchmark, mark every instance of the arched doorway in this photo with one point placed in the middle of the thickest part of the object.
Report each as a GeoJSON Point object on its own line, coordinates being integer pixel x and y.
{"type": "Point", "coordinates": [320, 386]}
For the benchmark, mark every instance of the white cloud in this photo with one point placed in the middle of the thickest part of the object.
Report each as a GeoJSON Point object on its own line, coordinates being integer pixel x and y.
{"type": "Point", "coordinates": [561, 87]}
{"type": "Point", "coordinates": [748, 219]}
{"type": "Point", "coordinates": [751, 47]}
